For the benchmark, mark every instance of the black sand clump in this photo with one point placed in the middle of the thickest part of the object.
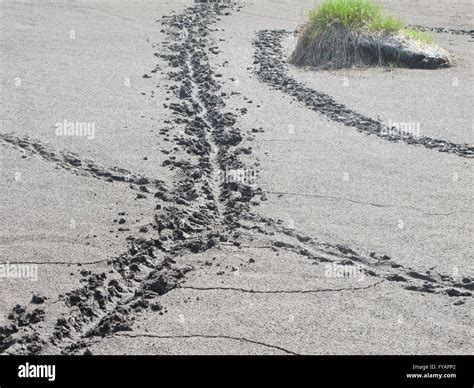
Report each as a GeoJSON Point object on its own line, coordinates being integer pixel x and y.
{"type": "Point", "coordinates": [32, 343]}
{"type": "Point", "coordinates": [6, 339]}
{"type": "Point", "coordinates": [21, 317]}
{"type": "Point", "coordinates": [163, 281]}
{"type": "Point", "coordinates": [117, 320]}
{"type": "Point", "coordinates": [455, 293]}
{"type": "Point", "coordinates": [37, 299]}
{"type": "Point", "coordinates": [396, 278]}
{"type": "Point", "coordinates": [466, 283]}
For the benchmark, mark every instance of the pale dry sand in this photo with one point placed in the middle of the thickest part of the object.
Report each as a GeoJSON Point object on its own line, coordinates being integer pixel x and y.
{"type": "Point", "coordinates": [322, 180]}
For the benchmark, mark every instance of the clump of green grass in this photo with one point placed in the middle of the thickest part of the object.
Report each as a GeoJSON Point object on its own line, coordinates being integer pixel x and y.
{"type": "Point", "coordinates": [354, 15]}
{"type": "Point", "coordinates": [388, 24]}
{"type": "Point", "coordinates": [422, 37]}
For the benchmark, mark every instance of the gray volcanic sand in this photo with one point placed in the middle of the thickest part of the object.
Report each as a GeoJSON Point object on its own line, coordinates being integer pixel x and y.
{"type": "Point", "coordinates": [205, 267]}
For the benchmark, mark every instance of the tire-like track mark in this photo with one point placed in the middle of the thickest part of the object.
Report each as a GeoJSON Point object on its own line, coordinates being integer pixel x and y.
{"type": "Point", "coordinates": [371, 265]}
{"type": "Point", "coordinates": [71, 162]}
{"type": "Point", "coordinates": [271, 69]}
{"type": "Point", "coordinates": [440, 30]}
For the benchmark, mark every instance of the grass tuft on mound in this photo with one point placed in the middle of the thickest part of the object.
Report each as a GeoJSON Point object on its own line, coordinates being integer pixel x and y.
{"type": "Point", "coordinates": [417, 35]}
{"type": "Point", "coordinates": [360, 15]}
{"type": "Point", "coordinates": [353, 14]}
{"type": "Point", "coordinates": [345, 33]}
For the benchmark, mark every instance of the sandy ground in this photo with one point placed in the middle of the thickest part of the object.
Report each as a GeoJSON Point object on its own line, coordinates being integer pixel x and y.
{"type": "Point", "coordinates": [337, 242]}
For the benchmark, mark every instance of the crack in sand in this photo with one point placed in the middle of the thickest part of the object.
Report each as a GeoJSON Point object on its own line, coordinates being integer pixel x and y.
{"type": "Point", "coordinates": [251, 291]}
{"type": "Point", "coordinates": [68, 263]}
{"type": "Point", "coordinates": [281, 193]}
{"type": "Point", "coordinates": [205, 336]}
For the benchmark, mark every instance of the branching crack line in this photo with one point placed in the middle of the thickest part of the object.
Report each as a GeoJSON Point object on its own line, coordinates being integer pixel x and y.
{"type": "Point", "coordinates": [205, 336]}
{"type": "Point", "coordinates": [366, 203]}
{"type": "Point", "coordinates": [53, 262]}
{"type": "Point", "coordinates": [250, 291]}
